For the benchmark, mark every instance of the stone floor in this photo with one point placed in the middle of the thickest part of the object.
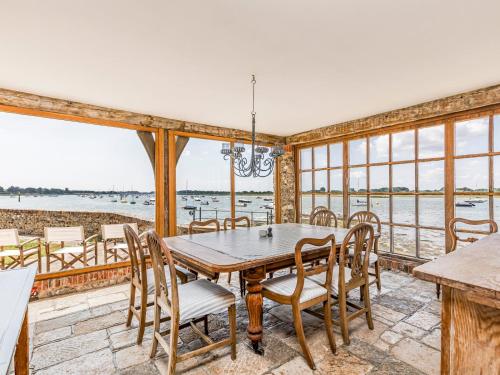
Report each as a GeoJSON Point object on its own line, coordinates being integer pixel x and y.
{"type": "Point", "coordinates": [85, 334]}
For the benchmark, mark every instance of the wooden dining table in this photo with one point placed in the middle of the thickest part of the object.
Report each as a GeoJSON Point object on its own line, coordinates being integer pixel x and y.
{"type": "Point", "coordinates": [244, 250]}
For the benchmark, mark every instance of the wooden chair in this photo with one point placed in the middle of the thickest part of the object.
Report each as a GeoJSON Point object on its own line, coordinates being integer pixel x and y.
{"type": "Point", "coordinates": [114, 243]}
{"type": "Point", "coordinates": [455, 239]}
{"type": "Point", "coordinates": [370, 218]}
{"type": "Point", "coordinates": [316, 209]}
{"type": "Point", "coordinates": [78, 250]}
{"type": "Point", "coordinates": [19, 253]}
{"type": "Point", "coordinates": [185, 305]}
{"type": "Point", "coordinates": [142, 280]}
{"type": "Point", "coordinates": [301, 293]}
{"type": "Point", "coordinates": [205, 226]}
{"type": "Point", "coordinates": [233, 223]}
{"type": "Point", "coordinates": [324, 218]}
{"type": "Point", "coordinates": [361, 238]}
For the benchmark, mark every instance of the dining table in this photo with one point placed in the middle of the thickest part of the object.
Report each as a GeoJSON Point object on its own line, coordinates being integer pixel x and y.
{"type": "Point", "coordinates": [246, 250]}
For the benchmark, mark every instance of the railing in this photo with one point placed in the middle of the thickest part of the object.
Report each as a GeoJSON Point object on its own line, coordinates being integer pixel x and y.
{"type": "Point", "coordinates": [256, 217]}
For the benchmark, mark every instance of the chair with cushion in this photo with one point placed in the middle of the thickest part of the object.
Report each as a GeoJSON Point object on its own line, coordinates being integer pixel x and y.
{"type": "Point", "coordinates": [113, 238]}
{"type": "Point", "coordinates": [72, 243]}
{"type": "Point", "coordinates": [302, 293]}
{"type": "Point", "coordinates": [324, 218]}
{"type": "Point", "coordinates": [206, 226]}
{"type": "Point", "coordinates": [345, 279]}
{"type": "Point", "coordinates": [316, 209]}
{"type": "Point", "coordinates": [233, 223]}
{"type": "Point", "coordinates": [370, 218]}
{"type": "Point", "coordinates": [19, 253]}
{"type": "Point", "coordinates": [455, 239]}
{"type": "Point", "coordinates": [185, 305]}
{"type": "Point", "coordinates": [142, 280]}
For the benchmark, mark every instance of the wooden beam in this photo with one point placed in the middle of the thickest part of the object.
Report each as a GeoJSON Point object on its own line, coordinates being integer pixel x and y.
{"type": "Point", "coordinates": [148, 141]}
{"type": "Point", "coordinates": [180, 145]}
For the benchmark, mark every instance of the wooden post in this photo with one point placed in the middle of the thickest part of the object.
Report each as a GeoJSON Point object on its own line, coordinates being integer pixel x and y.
{"type": "Point", "coordinates": [22, 356]}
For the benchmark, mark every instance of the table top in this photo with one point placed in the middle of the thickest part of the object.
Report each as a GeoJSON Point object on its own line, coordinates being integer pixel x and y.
{"type": "Point", "coordinates": [242, 248]}
{"type": "Point", "coordinates": [473, 268]}
{"type": "Point", "coordinates": [15, 291]}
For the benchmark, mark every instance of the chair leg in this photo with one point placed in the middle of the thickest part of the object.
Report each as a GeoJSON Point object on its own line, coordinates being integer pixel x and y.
{"type": "Point", "coordinates": [142, 320]}
{"type": "Point", "coordinates": [156, 329]}
{"type": "Point", "coordinates": [368, 307]}
{"type": "Point", "coordinates": [327, 312]}
{"type": "Point", "coordinates": [377, 275]}
{"type": "Point", "coordinates": [438, 290]}
{"type": "Point", "coordinates": [229, 277]}
{"type": "Point", "coordinates": [174, 336]}
{"type": "Point", "coordinates": [299, 330]}
{"type": "Point", "coordinates": [232, 328]}
{"type": "Point", "coordinates": [131, 305]}
{"type": "Point", "coordinates": [343, 318]}
{"type": "Point", "coordinates": [205, 324]}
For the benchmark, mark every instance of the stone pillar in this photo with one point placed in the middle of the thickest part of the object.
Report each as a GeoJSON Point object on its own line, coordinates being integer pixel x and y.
{"type": "Point", "coordinates": [287, 187]}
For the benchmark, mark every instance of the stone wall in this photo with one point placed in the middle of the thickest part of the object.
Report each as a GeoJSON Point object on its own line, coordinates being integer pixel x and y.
{"type": "Point", "coordinates": [32, 222]}
{"type": "Point", "coordinates": [287, 173]}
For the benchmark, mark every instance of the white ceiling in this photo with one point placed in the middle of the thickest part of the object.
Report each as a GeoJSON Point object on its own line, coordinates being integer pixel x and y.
{"type": "Point", "coordinates": [317, 62]}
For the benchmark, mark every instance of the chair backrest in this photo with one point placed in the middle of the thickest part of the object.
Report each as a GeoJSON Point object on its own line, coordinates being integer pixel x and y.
{"type": "Point", "coordinates": [64, 234]}
{"type": "Point", "coordinates": [314, 268]}
{"type": "Point", "coordinates": [204, 226]}
{"type": "Point", "coordinates": [316, 209]}
{"type": "Point", "coordinates": [115, 231]}
{"type": "Point", "coordinates": [228, 222]}
{"type": "Point", "coordinates": [159, 253]}
{"type": "Point", "coordinates": [324, 218]}
{"type": "Point", "coordinates": [137, 257]}
{"type": "Point", "coordinates": [365, 217]}
{"type": "Point", "coordinates": [9, 237]}
{"type": "Point", "coordinates": [360, 238]}
{"type": "Point", "coordinates": [493, 228]}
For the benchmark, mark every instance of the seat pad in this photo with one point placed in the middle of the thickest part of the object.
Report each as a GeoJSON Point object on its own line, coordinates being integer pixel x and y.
{"type": "Point", "coordinates": [321, 278]}
{"type": "Point", "coordinates": [285, 285]}
{"type": "Point", "coordinates": [373, 256]}
{"type": "Point", "coordinates": [151, 278]}
{"type": "Point", "coordinates": [68, 250]}
{"type": "Point", "coordinates": [10, 253]}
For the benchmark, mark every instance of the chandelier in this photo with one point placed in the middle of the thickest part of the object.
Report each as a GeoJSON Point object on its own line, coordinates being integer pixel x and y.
{"type": "Point", "coordinates": [260, 162]}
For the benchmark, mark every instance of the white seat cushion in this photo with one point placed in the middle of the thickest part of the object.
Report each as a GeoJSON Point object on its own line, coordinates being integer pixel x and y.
{"type": "Point", "coordinates": [119, 246]}
{"type": "Point", "coordinates": [10, 253]}
{"type": "Point", "coordinates": [68, 250]}
{"type": "Point", "coordinates": [151, 278]}
{"type": "Point", "coordinates": [285, 285]}
{"type": "Point", "coordinates": [202, 297]}
{"type": "Point", "coordinates": [373, 256]}
{"type": "Point", "coordinates": [321, 278]}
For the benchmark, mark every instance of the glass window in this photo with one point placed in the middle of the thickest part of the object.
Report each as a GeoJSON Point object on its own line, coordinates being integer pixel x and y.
{"type": "Point", "coordinates": [471, 136]}
{"type": "Point", "coordinates": [336, 180]}
{"type": "Point", "coordinates": [379, 149]}
{"type": "Point", "coordinates": [357, 203]}
{"type": "Point", "coordinates": [405, 241]}
{"type": "Point", "coordinates": [431, 243]}
{"type": "Point", "coordinates": [357, 151]}
{"type": "Point", "coordinates": [379, 205]}
{"type": "Point", "coordinates": [403, 146]}
{"type": "Point", "coordinates": [336, 159]}
{"type": "Point", "coordinates": [320, 181]}
{"type": "Point", "coordinates": [496, 132]}
{"type": "Point", "coordinates": [379, 179]}
{"type": "Point", "coordinates": [471, 174]}
{"type": "Point", "coordinates": [306, 182]}
{"type": "Point", "coordinates": [472, 208]}
{"type": "Point", "coordinates": [431, 176]}
{"type": "Point", "coordinates": [403, 209]}
{"type": "Point", "coordinates": [496, 174]}
{"type": "Point", "coordinates": [305, 158]}
{"type": "Point", "coordinates": [403, 178]}
{"type": "Point", "coordinates": [320, 157]}
{"type": "Point", "coordinates": [357, 179]}
{"type": "Point", "coordinates": [384, 242]}
{"type": "Point", "coordinates": [431, 142]}
{"type": "Point", "coordinates": [321, 200]}
{"type": "Point", "coordinates": [306, 207]}
{"type": "Point", "coordinates": [431, 210]}
{"type": "Point", "coordinates": [336, 205]}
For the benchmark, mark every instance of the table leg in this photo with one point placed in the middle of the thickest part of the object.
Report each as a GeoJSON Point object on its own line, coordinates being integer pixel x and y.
{"type": "Point", "coordinates": [21, 358]}
{"type": "Point", "coordinates": [254, 302]}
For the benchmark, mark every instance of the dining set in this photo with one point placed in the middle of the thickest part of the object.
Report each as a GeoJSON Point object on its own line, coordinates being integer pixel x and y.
{"type": "Point", "coordinates": [304, 266]}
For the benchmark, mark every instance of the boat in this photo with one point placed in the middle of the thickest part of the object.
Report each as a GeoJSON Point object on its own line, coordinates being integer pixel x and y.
{"type": "Point", "coordinates": [464, 204]}
{"type": "Point", "coordinates": [114, 200]}
{"type": "Point", "coordinates": [197, 199]}
{"type": "Point", "coordinates": [184, 198]}
{"type": "Point", "coordinates": [189, 207]}
{"type": "Point", "coordinates": [475, 201]}
{"type": "Point", "coordinates": [240, 204]}
{"type": "Point", "coordinates": [258, 198]}
{"type": "Point", "coordinates": [268, 207]}
{"type": "Point", "coordinates": [132, 202]}
{"type": "Point", "coordinates": [215, 200]}
{"type": "Point", "coordinates": [268, 199]}
{"type": "Point", "coordinates": [359, 203]}
{"type": "Point", "coordinates": [244, 201]}
{"type": "Point", "coordinates": [205, 203]}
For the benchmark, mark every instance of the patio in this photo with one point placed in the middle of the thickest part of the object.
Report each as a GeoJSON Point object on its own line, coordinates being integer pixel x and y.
{"type": "Point", "coordinates": [85, 333]}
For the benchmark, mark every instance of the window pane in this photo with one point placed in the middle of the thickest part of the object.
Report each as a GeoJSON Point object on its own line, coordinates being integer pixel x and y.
{"type": "Point", "coordinates": [357, 179]}
{"type": "Point", "coordinates": [471, 174]}
{"type": "Point", "coordinates": [379, 149]}
{"type": "Point", "coordinates": [336, 205]}
{"type": "Point", "coordinates": [403, 209]}
{"type": "Point", "coordinates": [320, 157]}
{"type": "Point", "coordinates": [379, 205]}
{"type": "Point", "coordinates": [431, 176]}
{"type": "Point", "coordinates": [471, 137]}
{"type": "Point", "coordinates": [320, 181]}
{"type": "Point", "coordinates": [473, 208]}
{"type": "Point", "coordinates": [496, 131]}
{"type": "Point", "coordinates": [403, 146]}
{"type": "Point", "coordinates": [306, 182]}
{"type": "Point", "coordinates": [405, 241]}
{"type": "Point", "coordinates": [379, 178]}
{"type": "Point", "coordinates": [496, 173]}
{"type": "Point", "coordinates": [496, 209]}
{"type": "Point", "coordinates": [431, 210]}
{"type": "Point", "coordinates": [357, 203]}
{"type": "Point", "coordinates": [336, 159]}
{"type": "Point", "coordinates": [357, 151]}
{"type": "Point", "coordinates": [305, 158]}
{"type": "Point", "coordinates": [306, 207]}
{"type": "Point", "coordinates": [431, 142]}
{"type": "Point", "coordinates": [384, 242]}
{"type": "Point", "coordinates": [321, 200]}
{"type": "Point", "coordinates": [431, 243]}
{"type": "Point", "coordinates": [336, 181]}
{"type": "Point", "coordinates": [403, 177]}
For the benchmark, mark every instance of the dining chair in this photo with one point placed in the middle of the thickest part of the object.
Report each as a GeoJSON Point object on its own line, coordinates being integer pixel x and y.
{"type": "Point", "coordinates": [205, 226]}
{"type": "Point", "coordinates": [113, 238]}
{"type": "Point", "coordinates": [345, 279]}
{"type": "Point", "coordinates": [142, 279]}
{"type": "Point", "coordinates": [17, 252]}
{"type": "Point", "coordinates": [301, 293]}
{"type": "Point", "coordinates": [230, 223]}
{"type": "Point", "coordinates": [455, 239]}
{"type": "Point", "coordinates": [370, 218]}
{"type": "Point", "coordinates": [316, 209]}
{"type": "Point", "coordinates": [324, 218]}
{"type": "Point", "coordinates": [185, 305]}
{"type": "Point", "coordinates": [73, 243]}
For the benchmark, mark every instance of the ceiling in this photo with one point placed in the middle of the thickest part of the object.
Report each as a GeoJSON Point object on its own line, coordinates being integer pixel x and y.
{"type": "Point", "coordinates": [317, 62]}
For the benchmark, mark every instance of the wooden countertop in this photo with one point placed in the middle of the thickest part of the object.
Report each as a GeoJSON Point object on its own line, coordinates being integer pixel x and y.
{"type": "Point", "coordinates": [474, 268]}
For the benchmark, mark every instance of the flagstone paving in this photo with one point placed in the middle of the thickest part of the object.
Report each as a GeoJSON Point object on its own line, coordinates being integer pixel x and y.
{"type": "Point", "coordinates": [86, 334]}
